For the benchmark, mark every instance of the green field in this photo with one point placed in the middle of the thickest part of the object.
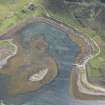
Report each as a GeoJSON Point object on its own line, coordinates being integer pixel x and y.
{"type": "Point", "coordinates": [11, 13]}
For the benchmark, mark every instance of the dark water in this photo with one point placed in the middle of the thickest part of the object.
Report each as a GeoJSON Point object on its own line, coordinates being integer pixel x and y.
{"type": "Point", "coordinates": [103, 1]}
{"type": "Point", "coordinates": [64, 51]}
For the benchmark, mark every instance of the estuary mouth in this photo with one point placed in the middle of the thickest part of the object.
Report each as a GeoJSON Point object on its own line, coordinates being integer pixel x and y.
{"type": "Point", "coordinates": [38, 66]}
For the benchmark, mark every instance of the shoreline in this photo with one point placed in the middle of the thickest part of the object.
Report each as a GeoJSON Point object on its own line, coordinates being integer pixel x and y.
{"type": "Point", "coordinates": [85, 49]}
{"type": "Point", "coordinates": [80, 87]}
{"type": "Point", "coordinates": [5, 61]}
{"type": "Point", "coordinates": [74, 91]}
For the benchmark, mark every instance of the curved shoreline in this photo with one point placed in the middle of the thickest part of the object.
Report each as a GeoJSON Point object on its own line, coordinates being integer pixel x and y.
{"type": "Point", "coordinates": [85, 89]}
{"type": "Point", "coordinates": [5, 61]}
{"type": "Point", "coordinates": [82, 59]}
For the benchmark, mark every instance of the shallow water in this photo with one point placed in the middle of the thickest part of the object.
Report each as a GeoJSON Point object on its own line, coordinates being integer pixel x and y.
{"type": "Point", "coordinates": [64, 51]}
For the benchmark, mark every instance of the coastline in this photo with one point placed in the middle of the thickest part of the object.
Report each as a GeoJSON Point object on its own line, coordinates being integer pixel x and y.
{"type": "Point", "coordinates": [80, 88]}
{"type": "Point", "coordinates": [5, 61]}
{"type": "Point", "coordinates": [74, 91]}
{"type": "Point", "coordinates": [85, 50]}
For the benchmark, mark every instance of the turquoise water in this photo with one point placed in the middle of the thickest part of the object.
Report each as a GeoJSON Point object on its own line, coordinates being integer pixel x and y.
{"type": "Point", "coordinates": [64, 51]}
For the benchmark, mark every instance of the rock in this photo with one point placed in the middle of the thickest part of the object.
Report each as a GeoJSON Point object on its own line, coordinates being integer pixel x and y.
{"type": "Point", "coordinates": [31, 7]}
{"type": "Point", "coordinates": [38, 76]}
